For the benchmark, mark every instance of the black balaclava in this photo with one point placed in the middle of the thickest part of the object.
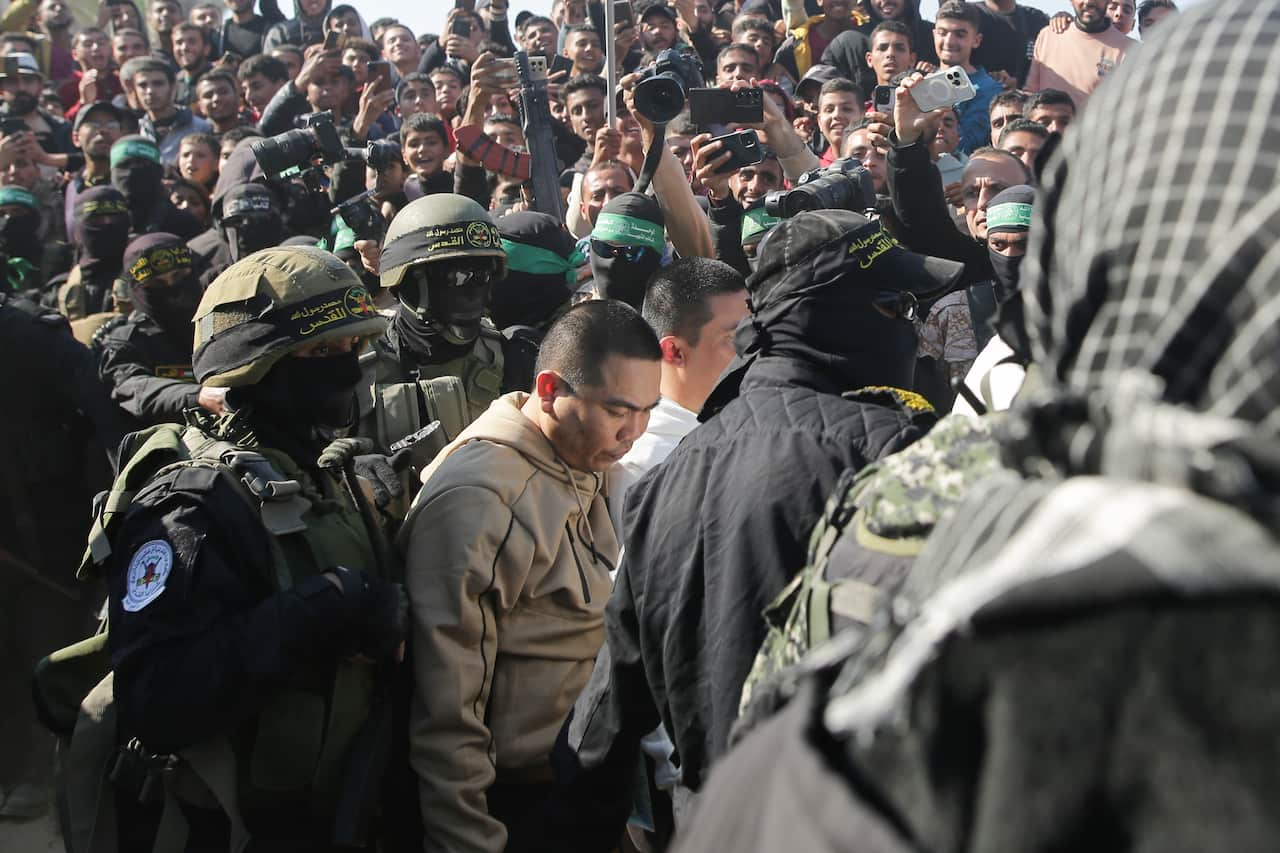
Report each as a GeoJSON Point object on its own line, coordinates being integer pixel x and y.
{"type": "Point", "coordinates": [446, 323]}
{"type": "Point", "coordinates": [1008, 213]}
{"type": "Point", "coordinates": [299, 394]}
{"type": "Point", "coordinates": [136, 172]}
{"type": "Point", "coordinates": [542, 262]}
{"type": "Point", "coordinates": [173, 306]}
{"type": "Point", "coordinates": [633, 221]}
{"type": "Point", "coordinates": [101, 230]}
{"type": "Point", "coordinates": [249, 220]}
{"type": "Point", "coordinates": [20, 233]}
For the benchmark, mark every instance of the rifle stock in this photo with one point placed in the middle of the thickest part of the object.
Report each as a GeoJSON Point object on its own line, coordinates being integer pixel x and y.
{"type": "Point", "coordinates": [535, 113]}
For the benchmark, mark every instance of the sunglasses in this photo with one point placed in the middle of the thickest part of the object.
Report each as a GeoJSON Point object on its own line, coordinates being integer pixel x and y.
{"type": "Point", "coordinates": [629, 254]}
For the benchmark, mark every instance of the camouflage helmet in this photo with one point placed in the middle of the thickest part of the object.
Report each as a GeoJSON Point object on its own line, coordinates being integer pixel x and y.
{"type": "Point", "coordinates": [438, 227]}
{"type": "Point", "coordinates": [271, 303]}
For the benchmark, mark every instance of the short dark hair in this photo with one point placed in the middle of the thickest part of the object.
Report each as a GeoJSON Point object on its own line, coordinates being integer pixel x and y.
{"type": "Point", "coordinates": [1022, 125]}
{"type": "Point", "coordinates": [582, 28]}
{"type": "Point", "coordinates": [399, 26]}
{"type": "Point", "coordinates": [957, 10]}
{"type": "Point", "coordinates": [266, 65]}
{"type": "Point", "coordinates": [609, 165]}
{"type": "Point", "coordinates": [897, 28]}
{"type": "Point", "coordinates": [244, 131]}
{"type": "Point", "coordinates": [748, 23]}
{"type": "Point", "coordinates": [676, 298]}
{"type": "Point", "coordinates": [150, 63]}
{"type": "Point", "coordinates": [586, 81]}
{"type": "Point", "coordinates": [188, 27]}
{"type": "Point", "coordinates": [1049, 98]}
{"type": "Point", "coordinates": [208, 140]}
{"type": "Point", "coordinates": [447, 69]}
{"type": "Point", "coordinates": [129, 31]}
{"type": "Point", "coordinates": [737, 47]}
{"type": "Point", "coordinates": [839, 84]}
{"type": "Point", "coordinates": [989, 152]}
{"type": "Point", "coordinates": [369, 49]}
{"type": "Point", "coordinates": [290, 48]}
{"type": "Point", "coordinates": [579, 342]}
{"type": "Point", "coordinates": [90, 31]}
{"type": "Point", "coordinates": [539, 21]}
{"type": "Point", "coordinates": [1146, 7]}
{"type": "Point", "coordinates": [222, 74]}
{"type": "Point", "coordinates": [382, 23]}
{"type": "Point", "coordinates": [423, 123]}
{"type": "Point", "coordinates": [1007, 98]}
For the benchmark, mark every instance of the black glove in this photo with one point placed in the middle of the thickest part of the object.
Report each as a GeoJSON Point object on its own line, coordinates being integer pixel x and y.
{"type": "Point", "coordinates": [374, 468]}
{"type": "Point", "coordinates": [380, 611]}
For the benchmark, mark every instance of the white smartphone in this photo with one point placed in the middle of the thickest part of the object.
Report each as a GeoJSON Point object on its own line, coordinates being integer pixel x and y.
{"type": "Point", "coordinates": [538, 67]}
{"type": "Point", "coordinates": [945, 87]}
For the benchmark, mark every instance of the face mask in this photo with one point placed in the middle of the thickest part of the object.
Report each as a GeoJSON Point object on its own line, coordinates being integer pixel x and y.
{"type": "Point", "coordinates": [457, 294]}
{"type": "Point", "coordinates": [310, 392]}
{"type": "Point", "coordinates": [172, 307]}
{"type": "Point", "coordinates": [623, 272]}
{"type": "Point", "coordinates": [20, 237]}
{"type": "Point", "coordinates": [250, 236]}
{"type": "Point", "coordinates": [1006, 274]}
{"type": "Point", "coordinates": [102, 242]}
{"type": "Point", "coordinates": [140, 185]}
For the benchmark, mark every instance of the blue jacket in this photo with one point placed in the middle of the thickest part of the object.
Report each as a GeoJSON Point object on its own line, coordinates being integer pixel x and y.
{"type": "Point", "coordinates": [975, 128]}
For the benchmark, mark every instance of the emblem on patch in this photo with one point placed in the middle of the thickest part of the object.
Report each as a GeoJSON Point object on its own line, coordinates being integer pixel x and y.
{"type": "Point", "coordinates": [148, 571]}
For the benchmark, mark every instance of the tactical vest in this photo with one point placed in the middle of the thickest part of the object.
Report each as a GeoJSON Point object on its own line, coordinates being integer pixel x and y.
{"type": "Point", "coordinates": [454, 393]}
{"type": "Point", "coordinates": [873, 527]}
{"type": "Point", "coordinates": [297, 747]}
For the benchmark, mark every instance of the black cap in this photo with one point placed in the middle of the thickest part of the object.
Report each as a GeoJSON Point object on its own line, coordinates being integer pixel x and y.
{"type": "Point", "coordinates": [815, 77]}
{"type": "Point", "coordinates": [98, 106]}
{"type": "Point", "coordinates": [661, 8]}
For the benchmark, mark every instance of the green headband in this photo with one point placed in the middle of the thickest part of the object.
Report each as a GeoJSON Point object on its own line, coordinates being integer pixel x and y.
{"type": "Point", "coordinates": [343, 237]}
{"type": "Point", "coordinates": [755, 222]}
{"type": "Point", "coordinates": [18, 196]}
{"type": "Point", "coordinates": [535, 260]}
{"type": "Point", "coordinates": [1011, 215]}
{"type": "Point", "coordinates": [134, 149]}
{"type": "Point", "coordinates": [628, 231]}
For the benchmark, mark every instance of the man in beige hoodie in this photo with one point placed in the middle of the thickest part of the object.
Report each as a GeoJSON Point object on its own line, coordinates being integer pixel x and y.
{"type": "Point", "coordinates": [508, 554]}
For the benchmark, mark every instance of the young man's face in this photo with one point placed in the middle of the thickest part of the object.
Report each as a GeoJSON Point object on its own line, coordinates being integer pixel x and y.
{"type": "Point", "coordinates": [164, 16]}
{"type": "Point", "coordinates": [584, 49]}
{"type": "Point", "coordinates": [347, 23]}
{"type": "Point", "coordinates": [836, 9]}
{"type": "Point", "coordinates": [586, 113]}
{"type": "Point", "coordinates": [985, 178]}
{"type": "Point", "coordinates": [197, 164]}
{"type": "Point", "coordinates": [890, 54]}
{"type": "Point", "coordinates": [700, 364]}
{"type": "Point", "coordinates": [890, 10]}
{"type": "Point", "coordinates": [154, 90]}
{"type": "Point", "coordinates": [189, 201]}
{"type": "Point", "coordinates": [292, 60]}
{"type": "Point", "coordinates": [22, 172]}
{"type": "Point", "coordinates": [955, 42]}
{"type": "Point", "coordinates": [97, 133]}
{"type": "Point", "coordinates": [657, 32]}
{"type": "Point", "coordinates": [92, 51]}
{"type": "Point", "coordinates": [750, 184]}
{"type": "Point", "coordinates": [418, 96]}
{"type": "Point", "coordinates": [1000, 116]}
{"type": "Point", "coordinates": [448, 90]}
{"type": "Point", "coordinates": [837, 112]}
{"type": "Point", "coordinates": [947, 137]}
{"type": "Point", "coordinates": [593, 427]}
{"type": "Point", "coordinates": [859, 147]}
{"type": "Point", "coordinates": [401, 48]}
{"type": "Point", "coordinates": [736, 65]}
{"type": "Point", "coordinates": [127, 46]}
{"type": "Point", "coordinates": [1155, 16]}
{"type": "Point", "coordinates": [55, 14]}
{"type": "Point", "coordinates": [1056, 117]}
{"type": "Point", "coordinates": [540, 40]}
{"type": "Point", "coordinates": [505, 133]}
{"type": "Point", "coordinates": [499, 105]}
{"type": "Point", "coordinates": [258, 91]}
{"type": "Point", "coordinates": [312, 8]}
{"type": "Point", "coordinates": [208, 18]}
{"type": "Point", "coordinates": [224, 151]}
{"type": "Point", "coordinates": [329, 93]}
{"type": "Point", "coordinates": [424, 153]}
{"type": "Point", "coordinates": [1090, 11]}
{"type": "Point", "coordinates": [1008, 244]}
{"type": "Point", "coordinates": [762, 40]}
{"type": "Point", "coordinates": [358, 62]}
{"type": "Point", "coordinates": [218, 99]}
{"type": "Point", "coordinates": [681, 147]}
{"type": "Point", "coordinates": [601, 186]}
{"type": "Point", "coordinates": [1025, 146]}
{"type": "Point", "coordinates": [189, 49]}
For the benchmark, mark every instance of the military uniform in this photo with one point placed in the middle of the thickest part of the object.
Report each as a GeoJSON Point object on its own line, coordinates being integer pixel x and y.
{"type": "Point", "coordinates": [247, 605]}
{"type": "Point", "coordinates": [149, 373]}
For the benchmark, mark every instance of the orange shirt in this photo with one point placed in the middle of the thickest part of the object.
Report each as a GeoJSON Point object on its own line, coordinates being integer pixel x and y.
{"type": "Point", "coordinates": [1075, 62]}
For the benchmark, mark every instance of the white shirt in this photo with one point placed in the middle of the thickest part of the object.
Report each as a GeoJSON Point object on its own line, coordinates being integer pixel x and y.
{"type": "Point", "coordinates": [995, 384]}
{"type": "Point", "coordinates": [668, 423]}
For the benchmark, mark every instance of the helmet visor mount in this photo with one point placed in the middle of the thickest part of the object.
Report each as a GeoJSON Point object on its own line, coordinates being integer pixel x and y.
{"type": "Point", "coordinates": [450, 296]}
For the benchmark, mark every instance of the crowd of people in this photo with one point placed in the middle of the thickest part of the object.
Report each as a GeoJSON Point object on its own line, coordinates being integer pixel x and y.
{"type": "Point", "coordinates": [476, 450]}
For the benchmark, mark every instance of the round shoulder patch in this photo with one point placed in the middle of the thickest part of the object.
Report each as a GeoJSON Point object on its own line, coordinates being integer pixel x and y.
{"type": "Point", "coordinates": [148, 571]}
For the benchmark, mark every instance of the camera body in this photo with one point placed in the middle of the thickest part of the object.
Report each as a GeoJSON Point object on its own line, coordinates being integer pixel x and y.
{"type": "Point", "coordinates": [844, 185]}
{"type": "Point", "coordinates": [663, 87]}
{"type": "Point", "coordinates": [381, 153]}
{"type": "Point", "coordinates": [296, 150]}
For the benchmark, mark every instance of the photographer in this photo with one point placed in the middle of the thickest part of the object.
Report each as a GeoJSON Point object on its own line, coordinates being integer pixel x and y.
{"type": "Point", "coordinates": [733, 196]}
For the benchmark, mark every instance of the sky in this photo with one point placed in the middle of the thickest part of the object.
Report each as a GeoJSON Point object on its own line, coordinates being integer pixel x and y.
{"type": "Point", "coordinates": [428, 16]}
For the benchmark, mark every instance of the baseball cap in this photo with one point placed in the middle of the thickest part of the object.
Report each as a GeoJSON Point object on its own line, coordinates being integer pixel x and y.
{"type": "Point", "coordinates": [98, 107]}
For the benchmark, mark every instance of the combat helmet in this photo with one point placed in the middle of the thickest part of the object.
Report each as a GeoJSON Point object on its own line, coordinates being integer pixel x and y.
{"type": "Point", "coordinates": [439, 227]}
{"type": "Point", "coordinates": [271, 303]}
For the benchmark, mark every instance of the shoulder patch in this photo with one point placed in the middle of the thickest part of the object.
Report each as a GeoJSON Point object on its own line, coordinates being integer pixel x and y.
{"type": "Point", "coordinates": [148, 571]}
{"type": "Point", "coordinates": [888, 395]}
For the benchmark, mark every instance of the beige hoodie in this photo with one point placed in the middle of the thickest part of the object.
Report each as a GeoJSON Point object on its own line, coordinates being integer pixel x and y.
{"type": "Point", "coordinates": [508, 553]}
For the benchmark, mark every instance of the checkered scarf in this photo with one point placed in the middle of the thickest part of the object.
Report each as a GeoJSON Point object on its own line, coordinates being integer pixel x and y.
{"type": "Point", "coordinates": [1156, 245]}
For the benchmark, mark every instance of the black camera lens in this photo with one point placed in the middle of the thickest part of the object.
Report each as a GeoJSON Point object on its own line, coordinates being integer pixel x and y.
{"type": "Point", "coordinates": [289, 150]}
{"type": "Point", "coordinates": [660, 98]}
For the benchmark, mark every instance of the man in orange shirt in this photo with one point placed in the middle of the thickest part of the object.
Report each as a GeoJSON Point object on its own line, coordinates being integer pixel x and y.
{"type": "Point", "coordinates": [1079, 59]}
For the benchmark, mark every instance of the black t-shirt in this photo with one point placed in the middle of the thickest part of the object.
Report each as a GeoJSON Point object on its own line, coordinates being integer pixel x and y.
{"type": "Point", "coordinates": [1008, 40]}
{"type": "Point", "coordinates": [245, 39]}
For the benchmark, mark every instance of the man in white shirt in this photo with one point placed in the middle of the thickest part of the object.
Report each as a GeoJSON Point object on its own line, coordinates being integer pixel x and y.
{"type": "Point", "coordinates": [693, 305]}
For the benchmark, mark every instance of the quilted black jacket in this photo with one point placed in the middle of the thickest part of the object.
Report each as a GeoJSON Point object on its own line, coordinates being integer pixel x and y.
{"type": "Point", "coordinates": [712, 535]}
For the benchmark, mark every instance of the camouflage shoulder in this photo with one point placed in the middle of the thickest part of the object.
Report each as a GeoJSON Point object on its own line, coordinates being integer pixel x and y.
{"type": "Point", "coordinates": [906, 494]}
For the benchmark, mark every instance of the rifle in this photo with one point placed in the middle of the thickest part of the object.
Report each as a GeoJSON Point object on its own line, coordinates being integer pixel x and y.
{"type": "Point", "coordinates": [535, 118]}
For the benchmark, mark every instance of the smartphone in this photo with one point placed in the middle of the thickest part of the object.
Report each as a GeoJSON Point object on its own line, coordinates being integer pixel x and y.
{"type": "Point", "coordinates": [332, 39]}
{"type": "Point", "coordinates": [461, 26]}
{"type": "Point", "coordinates": [721, 106]}
{"type": "Point", "coordinates": [883, 99]}
{"type": "Point", "coordinates": [743, 147]}
{"type": "Point", "coordinates": [560, 62]}
{"type": "Point", "coordinates": [945, 87]}
{"type": "Point", "coordinates": [379, 79]}
{"type": "Point", "coordinates": [538, 67]}
{"type": "Point", "coordinates": [622, 13]}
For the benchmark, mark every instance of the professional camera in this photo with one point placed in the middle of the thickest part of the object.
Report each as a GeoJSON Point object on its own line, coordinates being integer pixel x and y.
{"type": "Point", "coordinates": [660, 94]}
{"type": "Point", "coordinates": [844, 185]}
{"type": "Point", "coordinates": [296, 150]}
{"type": "Point", "coordinates": [381, 153]}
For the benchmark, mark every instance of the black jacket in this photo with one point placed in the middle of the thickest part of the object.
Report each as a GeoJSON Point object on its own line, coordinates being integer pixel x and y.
{"type": "Point", "coordinates": [148, 373]}
{"type": "Point", "coordinates": [712, 536]}
{"type": "Point", "coordinates": [1007, 41]}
